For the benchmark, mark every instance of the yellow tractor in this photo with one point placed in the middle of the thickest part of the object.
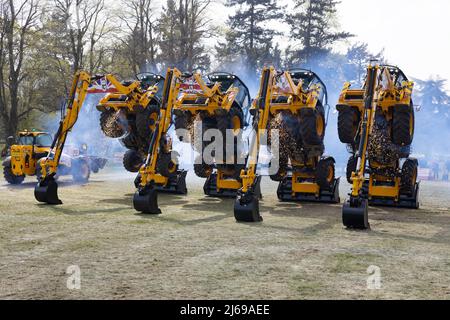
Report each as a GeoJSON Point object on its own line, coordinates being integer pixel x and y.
{"type": "Point", "coordinates": [291, 103]}
{"type": "Point", "coordinates": [32, 146]}
{"type": "Point", "coordinates": [377, 124]}
{"type": "Point", "coordinates": [218, 104]}
{"type": "Point", "coordinates": [126, 111]}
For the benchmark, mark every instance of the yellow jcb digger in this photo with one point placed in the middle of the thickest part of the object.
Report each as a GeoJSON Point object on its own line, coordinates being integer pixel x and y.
{"type": "Point", "coordinates": [31, 146]}
{"type": "Point", "coordinates": [377, 123]}
{"type": "Point", "coordinates": [129, 112]}
{"type": "Point", "coordinates": [24, 155]}
{"type": "Point", "coordinates": [160, 170]}
{"type": "Point", "coordinates": [132, 99]}
{"type": "Point", "coordinates": [220, 102]}
{"type": "Point", "coordinates": [293, 103]}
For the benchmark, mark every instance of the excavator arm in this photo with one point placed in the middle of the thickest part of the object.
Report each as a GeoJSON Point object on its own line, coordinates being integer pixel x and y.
{"type": "Point", "coordinates": [355, 210]}
{"type": "Point", "coordinates": [246, 207]}
{"type": "Point", "coordinates": [46, 189]}
{"type": "Point", "coordinates": [159, 168]}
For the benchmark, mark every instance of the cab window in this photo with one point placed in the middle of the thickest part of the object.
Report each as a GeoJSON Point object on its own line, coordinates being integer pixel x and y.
{"type": "Point", "coordinates": [44, 140]}
{"type": "Point", "coordinates": [26, 140]}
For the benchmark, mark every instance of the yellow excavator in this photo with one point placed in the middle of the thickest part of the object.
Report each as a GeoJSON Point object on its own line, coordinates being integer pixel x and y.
{"type": "Point", "coordinates": [188, 100]}
{"type": "Point", "coordinates": [129, 112]}
{"type": "Point", "coordinates": [221, 102]}
{"type": "Point", "coordinates": [160, 170]}
{"type": "Point", "coordinates": [292, 103]}
{"type": "Point", "coordinates": [377, 123]}
{"type": "Point", "coordinates": [128, 102]}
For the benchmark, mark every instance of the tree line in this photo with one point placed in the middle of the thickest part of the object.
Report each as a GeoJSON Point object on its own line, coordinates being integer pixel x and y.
{"type": "Point", "coordinates": [43, 42]}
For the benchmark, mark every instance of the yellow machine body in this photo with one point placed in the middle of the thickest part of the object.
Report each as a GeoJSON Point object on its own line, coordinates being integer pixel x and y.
{"type": "Point", "coordinates": [301, 98]}
{"type": "Point", "coordinates": [127, 97]}
{"type": "Point", "coordinates": [24, 157]}
{"type": "Point", "coordinates": [386, 97]}
{"type": "Point", "coordinates": [383, 107]}
{"type": "Point", "coordinates": [297, 98]}
{"type": "Point", "coordinates": [213, 99]}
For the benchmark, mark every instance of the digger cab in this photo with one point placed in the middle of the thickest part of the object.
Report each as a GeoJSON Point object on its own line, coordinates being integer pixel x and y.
{"type": "Point", "coordinates": [36, 139]}
{"type": "Point", "coordinates": [398, 77]}
{"type": "Point", "coordinates": [229, 80]}
{"type": "Point", "coordinates": [30, 147]}
{"type": "Point", "coordinates": [149, 79]}
{"type": "Point", "coordinates": [310, 79]}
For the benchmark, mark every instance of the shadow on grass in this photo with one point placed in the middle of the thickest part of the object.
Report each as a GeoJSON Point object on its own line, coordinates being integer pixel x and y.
{"type": "Point", "coordinates": [66, 210]}
{"type": "Point", "coordinates": [221, 208]}
{"type": "Point", "coordinates": [32, 184]}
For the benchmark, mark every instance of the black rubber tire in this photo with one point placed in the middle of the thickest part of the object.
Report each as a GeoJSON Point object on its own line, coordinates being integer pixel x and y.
{"type": "Point", "coordinates": [94, 167]}
{"type": "Point", "coordinates": [282, 170]}
{"type": "Point", "coordinates": [80, 171]}
{"type": "Point", "coordinates": [131, 142]}
{"type": "Point", "coordinates": [111, 128]}
{"type": "Point", "coordinates": [402, 120]}
{"type": "Point", "coordinates": [9, 176]}
{"type": "Point", "coordinates": [348, 124]}
{"type": "Point", "coordinates": [201, 169]}
{"type": "Point", "coordinates": [182, 121]}
{"type": "Point", "coordinates": [132, 161]}
{"type": "Point", "coordinates": [164, 165]}
{"type": "Point", "coordinates": [144, 121]}
{"type": "Point", "coordinates": [308, 127]}
{"type": "Point", "coordinates": [225, 122]}
{"type": "Point", "coordinates": [408, 176]}
{"type": "Point", "coordinates": [351, 167]}
{"type": "Point", "coordinates": [405, 151]}
{"type": "Point", "coordinates": [324, 178]}
{"type": "Point", "coordinates": [38, 170]}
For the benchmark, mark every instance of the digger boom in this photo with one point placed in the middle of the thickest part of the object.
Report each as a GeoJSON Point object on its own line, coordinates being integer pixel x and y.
{"type": "Point", "coordinates": [366, 128]}
{"type": "Point", "coordinates": [145, 198]}
{"type": "Point", "coordinates": [46, 190]}
{"type": "Point", "coordinates": [262, 113]}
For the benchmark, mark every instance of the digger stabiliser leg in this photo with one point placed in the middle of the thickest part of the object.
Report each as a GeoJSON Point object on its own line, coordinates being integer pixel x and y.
{"type": "Point", "coordinates": [46, 191]}
{"type": "Point", "coordinates": [355, 213]}
{"type": "Point", "coordinates": [246, 206]}
{"type": "Point", "coordinates": [145, 200]}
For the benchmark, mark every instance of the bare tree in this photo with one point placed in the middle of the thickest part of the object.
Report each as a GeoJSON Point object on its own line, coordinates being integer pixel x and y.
{"type": "Point", "coordinates": [86, 25]}
{"type": "Point", "coordinates": [18, 22]}
{"type": "Point", "coordinates": [140, 39]}
{"type": "Point", "coordinates": [183, 28]}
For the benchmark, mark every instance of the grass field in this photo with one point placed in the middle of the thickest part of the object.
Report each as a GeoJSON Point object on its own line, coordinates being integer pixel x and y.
{"type": "Point", "coordinates": [195, 249]}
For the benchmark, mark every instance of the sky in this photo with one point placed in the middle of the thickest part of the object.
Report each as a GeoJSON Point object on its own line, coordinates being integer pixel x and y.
{"type": "Point", "coordinates": [415, 34]}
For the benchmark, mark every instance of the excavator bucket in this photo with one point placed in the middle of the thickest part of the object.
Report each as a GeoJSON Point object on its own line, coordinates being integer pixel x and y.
{"type": "Point", "coordinates": [246, 206]}
{"type": "Point", "coordinates": [146, 201]}
{"type": "Point", "coordinates": [355, 214]}
{"type": "Point", "coordinates": [46, 191]}
{"type": "Point", "coordinates": [247, 210]}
